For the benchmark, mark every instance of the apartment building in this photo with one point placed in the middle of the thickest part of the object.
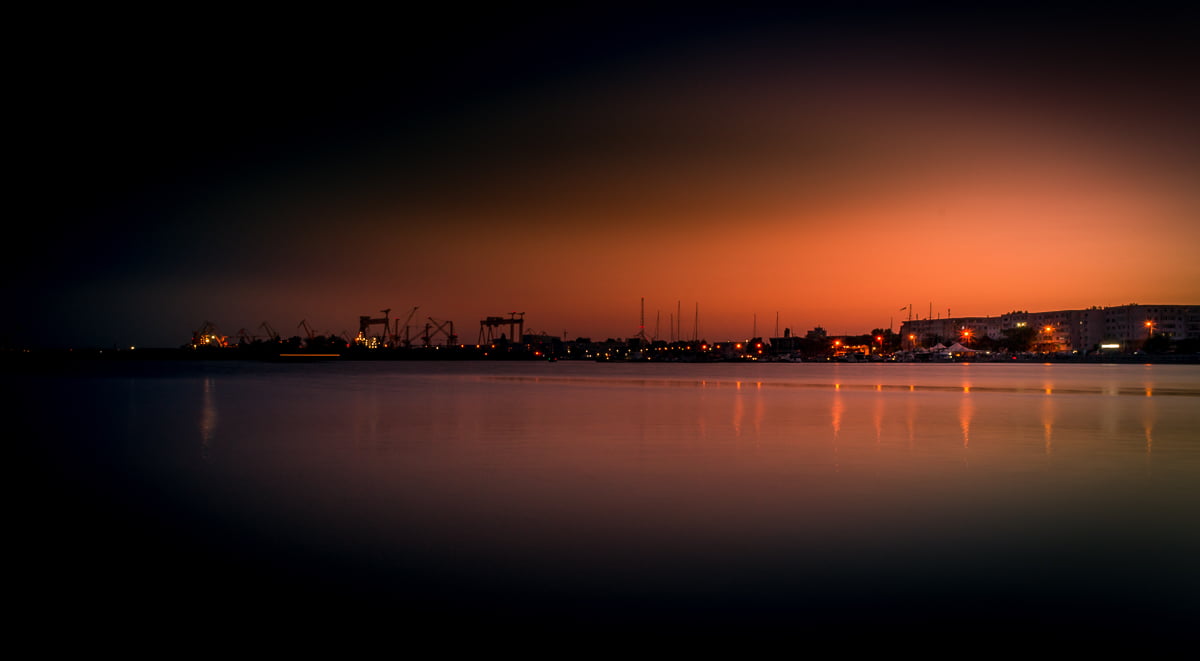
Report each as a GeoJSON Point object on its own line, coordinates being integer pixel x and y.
{"type": "Point", "coordinates": [1122, 327]}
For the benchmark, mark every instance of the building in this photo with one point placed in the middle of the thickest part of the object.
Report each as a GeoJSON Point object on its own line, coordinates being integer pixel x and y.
{"type": "Point", "coordinates": [1121, 327]}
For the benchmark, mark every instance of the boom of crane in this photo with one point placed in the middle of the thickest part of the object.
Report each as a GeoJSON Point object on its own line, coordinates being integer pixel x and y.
{"type": "Point", "coordinates": [405, 340]}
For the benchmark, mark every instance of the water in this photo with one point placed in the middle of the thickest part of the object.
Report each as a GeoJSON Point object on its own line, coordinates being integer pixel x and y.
{"type": "Point", "coordinates": [989, 497]}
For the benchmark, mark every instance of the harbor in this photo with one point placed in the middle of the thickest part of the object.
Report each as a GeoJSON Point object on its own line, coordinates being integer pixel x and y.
{"type": "Point", "coordinates": [1128, 333]}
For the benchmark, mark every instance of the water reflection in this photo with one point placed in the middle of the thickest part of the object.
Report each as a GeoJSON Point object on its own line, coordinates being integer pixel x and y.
{"type": "Point", "coordinates": [208, 418]}
{"type": "Point", "coordinates": [1048, 423]}
{"type": "Point", "coordinates": [1148, 424]}
{"type": "Point", "coordinates": [966, 410]}
{"type": "Point", "coordinates": [877, 418]}
{"type": "Point", "coordinates": [837, 408]}
{"type": "Point", "coordinates": [760, 412]}
{"type": "Point", "coordinates": [590, 482]}
{"type": "Point", "coordinates": [964, 385]}
{"type": "Point", "coordinates": [910, 420]}
{"type": "Point", "coordinates": [739, 411]}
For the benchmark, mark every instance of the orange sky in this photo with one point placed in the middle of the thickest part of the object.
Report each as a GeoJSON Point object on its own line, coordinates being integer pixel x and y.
{"type": "Point", "coordinates": [830, 176]}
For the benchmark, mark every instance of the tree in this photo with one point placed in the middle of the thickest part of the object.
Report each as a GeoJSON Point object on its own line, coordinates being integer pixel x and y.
{"type": "Point", "coordinates": [985, 342]}
{"type": "Point", "coordinates": [1018, 338]}
{"type": "Point", "coordinates": [890, 343]}
{"type": "Point", "coordinates": [1157, 343]}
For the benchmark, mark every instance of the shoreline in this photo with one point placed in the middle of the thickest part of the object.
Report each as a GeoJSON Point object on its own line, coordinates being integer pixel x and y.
{"type": "Point", "coordinates": [35, 357]}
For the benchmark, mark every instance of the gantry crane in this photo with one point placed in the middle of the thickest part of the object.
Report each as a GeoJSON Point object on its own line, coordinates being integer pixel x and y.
{"type": "Point", "coordinates": [365, 322]}
{"type": "Point", "coordinates": [439, 327]}
{"type": "Point", "coordinates": [486, 334]}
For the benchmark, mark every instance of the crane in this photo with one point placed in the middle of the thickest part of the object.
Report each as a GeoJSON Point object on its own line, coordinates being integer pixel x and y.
{"type": "Point", "coordinates": [365, 322]}
{"type": "Point", "coordinates": [515, 322]}
{"type": "Point", "coordinates": [207, 336]}
{"type": "Point", "coordinates": [307, 329]}
{"type": "Point", "coordinates": [439, 327]}
{"type": "Point", "coordinates": [270, 331]}
{"type": "Point", "coordinates": [407, 341]}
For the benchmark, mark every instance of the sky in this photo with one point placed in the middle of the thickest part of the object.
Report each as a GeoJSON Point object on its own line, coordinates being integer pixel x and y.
{"type": "Point", "coordinates": [754, 170]}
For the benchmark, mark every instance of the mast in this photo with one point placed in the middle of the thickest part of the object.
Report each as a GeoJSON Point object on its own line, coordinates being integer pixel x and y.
{"type": "Point", "coordinates": [642, 321]}
{"type": "Point", "coordinates": [641, 334]}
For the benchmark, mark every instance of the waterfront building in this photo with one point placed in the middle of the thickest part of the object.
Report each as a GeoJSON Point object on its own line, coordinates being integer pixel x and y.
{"type": "Point", "coordinates": [1120, 327]}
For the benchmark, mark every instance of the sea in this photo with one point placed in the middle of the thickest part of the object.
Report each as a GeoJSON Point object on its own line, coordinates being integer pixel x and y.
{"type": "Point", "coordinates": [850, 501]}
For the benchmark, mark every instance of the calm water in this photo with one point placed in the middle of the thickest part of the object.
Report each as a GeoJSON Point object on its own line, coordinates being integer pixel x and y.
{"type": "Point", "coordinates": [1018, 498]}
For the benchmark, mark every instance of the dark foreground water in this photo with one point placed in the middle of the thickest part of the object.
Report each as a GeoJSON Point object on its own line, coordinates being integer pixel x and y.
{"type": "Point", "coordinates": [848, 500]}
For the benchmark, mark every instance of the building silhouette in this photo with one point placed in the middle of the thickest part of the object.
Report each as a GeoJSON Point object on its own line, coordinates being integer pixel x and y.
{"type": "Point", "coordinates": [1120, 327]}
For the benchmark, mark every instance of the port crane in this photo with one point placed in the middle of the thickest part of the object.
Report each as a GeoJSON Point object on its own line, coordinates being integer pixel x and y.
{"type": "Point", "coordinates": [431, 329]}
{"type": "Point", "coordinates": [207, 336]}
{"type": "Point", "coordinates": [515, 320]}
{"type": "Point", "coordinates": [365, 322]}
{"type": "Point", "coordinates": [406, 340]}
{"type": "Point", "coordinates": [307, 329]}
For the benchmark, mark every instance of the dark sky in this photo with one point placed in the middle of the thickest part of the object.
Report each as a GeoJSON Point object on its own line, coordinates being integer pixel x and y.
{"type": "Point", "coordinates": [828, 165]}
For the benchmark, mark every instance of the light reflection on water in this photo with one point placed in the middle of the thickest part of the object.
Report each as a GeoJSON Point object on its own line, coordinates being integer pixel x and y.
{"type": "Point", "coordinates": [748, 487]}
